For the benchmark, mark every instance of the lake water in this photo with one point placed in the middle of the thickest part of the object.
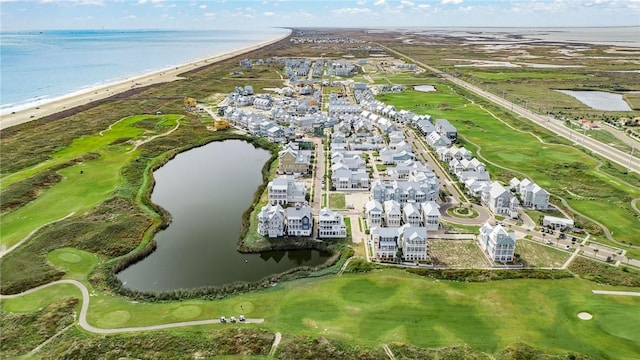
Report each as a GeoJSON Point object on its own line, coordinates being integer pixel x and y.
{"type": "Point", "coordinates": [206, 190]}
{"type": "Point", "coordinates": [599, 100]}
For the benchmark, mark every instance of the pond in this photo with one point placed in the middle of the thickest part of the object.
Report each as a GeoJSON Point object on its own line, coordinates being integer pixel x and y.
{"type": "Point", "coordinates": [599, 100]}
{"type": "Point", "coordinates": [424, 88]}
{"type": "Point", "coordinates": [206, 190]}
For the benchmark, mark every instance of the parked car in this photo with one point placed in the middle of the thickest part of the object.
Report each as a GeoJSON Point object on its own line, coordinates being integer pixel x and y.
{"type": "Point", "coordinates": [223, 319]}
{"type": "Point", "coordinates": [241, 318]}
{"type": "Point", "coordinates": [567, 247]}
{"type": "Point", "coordinates": [232, 319]}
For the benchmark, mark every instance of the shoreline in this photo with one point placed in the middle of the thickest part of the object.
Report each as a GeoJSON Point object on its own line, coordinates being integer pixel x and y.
{"type": "Point", "coordinates": [100, 92]}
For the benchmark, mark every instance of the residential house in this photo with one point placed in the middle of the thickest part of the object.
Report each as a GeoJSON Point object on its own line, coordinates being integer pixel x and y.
{"type": "Point", "coordinates": [411, 214]}
{"type": "Point", "coordinates": [384, 243]}
{"type": "Point", "coordinates": [532, 195]}
{"type": "Point", "coordinates": [284, 190]}
{"type": "Point", "coordinates": [497, 243]}
{"type": "Point", "coordinates": [293, 161]}
{"type": "Point", "coordinates": [299, 220]}
{"type": "Point", "coordinates": [331, 224]}
{"type": "Point", "coordinates": [403, 191]}
{"type": "Point", "coordinates": [430, 215]}
{"type": "Point", "coordinates": [392, 213]}
{"type": "Point", "coordinates": [444, 128]}
{"type": "Point", "coordinates": [414, 243]}
{"type": "Point", "coordinates": [271, 221]}
{"type": "Point", "coordinates": [499, 200]}
{"type": "Point", "coordinates": [373, 210]}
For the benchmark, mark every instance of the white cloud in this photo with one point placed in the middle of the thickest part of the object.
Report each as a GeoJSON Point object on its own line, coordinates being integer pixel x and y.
{"type": "Point", "coordinates": [268, 13]}
{"type": "Point", "coordinates": [73, 2]}
{"type": "Point", "coordinates": [209, 14]}
{"type": "Point", "coordinates": [130, 17]}
{"type": "Point", "coordinates": [407, 3]}
{"type": "Point", "coordinates": [380, 2]}
{"type": "Point", "coordinates": [424, 6]}
{"type": "Point", "coordinates": [351, 11]}
{"type": "Point", "coordinates": [455, 2]}
{"type": "Point", "coordinates": [361, 2]}
{"type": "Point", "coordinates": [203, 6]}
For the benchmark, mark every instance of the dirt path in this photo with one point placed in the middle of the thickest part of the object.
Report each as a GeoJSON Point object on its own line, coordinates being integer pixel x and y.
{"type": "Point", "coordinates": [5, 252]}
{"type": "Point", "coordinates": [389, 352]}
{"type": "Point", "coordinates": [138, 143]}
{"type": "Point", "coordinates": [275, 344]}
{"type": "Point", "coordinates": [82, 321]}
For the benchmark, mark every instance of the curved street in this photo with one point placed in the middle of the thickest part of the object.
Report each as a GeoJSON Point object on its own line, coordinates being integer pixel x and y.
{"type": "Point", "coordinates": [557, 126]}
{"type": "Point", "coordinates": [82, 321]}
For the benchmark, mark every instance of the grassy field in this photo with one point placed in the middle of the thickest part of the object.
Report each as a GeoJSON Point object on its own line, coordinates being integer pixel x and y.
{"type": "Point", "coordinates": [508, 147]}
{"type": "Point", "coordinates": [458, 254]}
{"type": "Point", "coordinates": [388, 306]}
{"type": "Point", "coordinates": [84, 185]}
{"type": "Point", "coordinates": [337, 201]}
{"type": "Point", "coordinates": [536, 255]}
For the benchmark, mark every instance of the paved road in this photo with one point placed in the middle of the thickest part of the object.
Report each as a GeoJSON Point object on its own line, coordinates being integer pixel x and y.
{"type": "Point", "coordinates": [554, 125]}
{"type": "Point", "coordinates": [622, 293]}
{"type": "Point", "coordinates": [85, 308]}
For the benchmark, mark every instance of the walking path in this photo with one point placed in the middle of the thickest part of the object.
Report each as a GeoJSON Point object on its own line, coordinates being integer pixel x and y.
{"type": "Point", "coordinates": [275, 344]}
{"type": "Point", "coordinates": [389, 352]}
{"type": "Point", "coordinates": [82, 321]}
{"type": "Point", "coordinates": [620, 293]}
{"type": "Point", "coordinates": [5, 252]}
{"type": "Point", "coordinates": [573, 256]}
{"type": "Point", "coordinates": [138, 143]}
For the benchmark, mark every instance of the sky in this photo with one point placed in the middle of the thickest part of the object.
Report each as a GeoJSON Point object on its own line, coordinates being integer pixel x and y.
{"type": "Point", "coordinates": [231, 14]}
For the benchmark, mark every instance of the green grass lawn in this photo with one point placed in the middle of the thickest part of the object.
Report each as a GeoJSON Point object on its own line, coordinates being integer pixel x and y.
{"type": "Point", "coordinates": [83, 186]}
{"type": "Point", "coordinates": [533, 254]}
{"type": "Point", "coordinates": [556, 167]}
{"type": "Point", "coordinates": [337, 201]}
{"type": "Point", "coordinates": [390, 305]}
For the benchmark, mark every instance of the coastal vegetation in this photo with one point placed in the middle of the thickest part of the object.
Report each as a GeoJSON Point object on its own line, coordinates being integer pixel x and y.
{"type": "Point", "coordinates": [383, 306]}
{"type": "Point", "coordinates": [100, 158]}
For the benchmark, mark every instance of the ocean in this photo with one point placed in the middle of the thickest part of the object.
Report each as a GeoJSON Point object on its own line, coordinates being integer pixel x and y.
{"type": "Point", "coordinates": [40, 66]}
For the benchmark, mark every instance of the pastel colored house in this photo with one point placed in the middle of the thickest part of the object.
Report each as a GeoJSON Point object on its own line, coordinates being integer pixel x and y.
{"type": "Point", "coordinates": [384, 243]}
{"type": "Point", "coordinates": [299, 220]}
{"type": "Point", "coordinates": [499, 200]}
{"type": "Point", "coordinates": [414, 243]}
{"type": "Point", "coordinates": [430, 211]}
{"type": "Point", "coordinates": [331, 224]}
{"type": "Point", "coordinates": [271, 221]}
{"type": "Point", "coordinates": [497, 243]}
{"type": "Point", "coordinates": [292, 161]}
{"type": "Point", "coordinates": [411, 214]}
{"type": "Point", "coordinates": [373, 210]}
{"type": "Point", "coordinates": [284, 190]}
{"type": "Point", "coordinates": [392, 213]}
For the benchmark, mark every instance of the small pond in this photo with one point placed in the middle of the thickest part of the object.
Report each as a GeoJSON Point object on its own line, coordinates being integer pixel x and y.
{"type": "Point", "coordinates": [206, 190]}
{"type": "Point", "coordinates": [424, 88]}
{"type": "Point", "coordinates": [599, 100]}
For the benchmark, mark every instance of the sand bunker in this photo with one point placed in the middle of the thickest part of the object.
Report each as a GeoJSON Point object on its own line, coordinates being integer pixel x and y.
{"type": "Point", "coordinates": [585, 316]}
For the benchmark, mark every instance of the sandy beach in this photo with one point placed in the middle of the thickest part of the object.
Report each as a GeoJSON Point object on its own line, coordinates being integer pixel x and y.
{"type": "Point", "coordinates": [107, 90]}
